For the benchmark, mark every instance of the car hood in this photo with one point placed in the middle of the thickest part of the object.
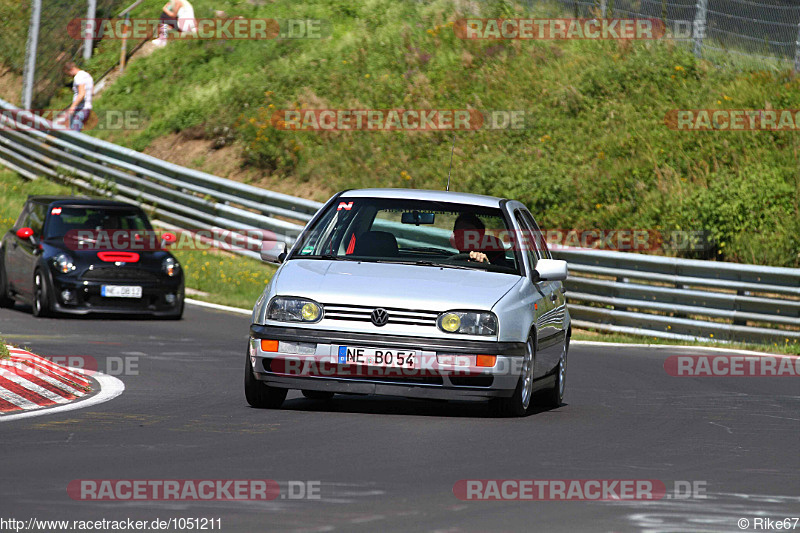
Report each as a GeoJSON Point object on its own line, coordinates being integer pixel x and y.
{"type": "Point", "coordinates": [392, 285]}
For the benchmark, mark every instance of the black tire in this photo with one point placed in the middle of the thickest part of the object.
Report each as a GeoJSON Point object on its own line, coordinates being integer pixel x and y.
{"type": "Point", "coordinates": [520, 403]}
{"type": "Point", "coordinates": [5, 299]}
{"type": "Point", "coordinates": [260, 394]}
{"type": "Point", "coordinates": [41, 295]}
{"type": "Point", "coordinates": [555, 396]}
{"type": "Point", "coordinates": [317, 394]}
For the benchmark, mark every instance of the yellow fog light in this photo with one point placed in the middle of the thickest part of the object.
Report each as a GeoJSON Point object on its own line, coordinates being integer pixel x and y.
{"type": "Point", "coordinates": [451, 322]}
{"type": "Point", "coordinates": [310, 312]}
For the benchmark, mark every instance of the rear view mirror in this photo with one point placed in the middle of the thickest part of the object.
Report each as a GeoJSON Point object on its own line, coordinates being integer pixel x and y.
{"type": "Point", "coordinates": [24, 233]}
{"type": "Point", "coordinates": [417, 218]}
{"type": "Point", "coordinates": [550, 270]}
{"type": "Point", "coordinates": [273, 252]}
{"type": "Point", "coordinates": [167, 239]}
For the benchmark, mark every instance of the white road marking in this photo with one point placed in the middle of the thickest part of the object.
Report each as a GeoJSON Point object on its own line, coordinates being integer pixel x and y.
{"type": "Point", "coordinates": [219, 307]}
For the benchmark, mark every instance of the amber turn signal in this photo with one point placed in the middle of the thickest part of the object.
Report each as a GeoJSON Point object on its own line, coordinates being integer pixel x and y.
{"type": "Point", "coordinates": [483, 360]}
{"type": "Point", "coordinates": [269, 345]}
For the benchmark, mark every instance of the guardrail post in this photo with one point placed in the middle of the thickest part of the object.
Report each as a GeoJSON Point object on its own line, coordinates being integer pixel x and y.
{"type": "Point", "coordinates": [699, 27]}
{"type": "Point", "coordinates": [29, 72]}
{"type": "Point", "coordinates": [91, 13]}
{"type": "Point", "coordinates": [123, 53]}
{"type": "Point", "coordinates": [797, 51]}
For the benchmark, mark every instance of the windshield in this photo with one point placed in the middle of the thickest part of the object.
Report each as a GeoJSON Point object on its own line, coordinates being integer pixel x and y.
{"type": "Point", "coordinates": [64, 219]}
{"type": "Point", "coordinates": [410, 231]}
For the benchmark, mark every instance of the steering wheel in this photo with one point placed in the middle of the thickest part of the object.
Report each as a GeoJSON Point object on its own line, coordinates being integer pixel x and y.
{"type": "Point", "coordinates": [464, 256]}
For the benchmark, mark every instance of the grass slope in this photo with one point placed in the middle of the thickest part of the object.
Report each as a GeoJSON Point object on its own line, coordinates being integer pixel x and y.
{"type": "Point", "coordinates": [596, 154]}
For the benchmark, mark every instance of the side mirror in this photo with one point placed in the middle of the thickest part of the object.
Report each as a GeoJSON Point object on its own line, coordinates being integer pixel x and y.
{"type": "Point", "coordinates": [24, 233]}
{"type": "Point", "coordinates": [167, 239]}
{"type": "Point", "coordinates": [550, 270]}
{"type": "Point", "coordinates": [273, 251]}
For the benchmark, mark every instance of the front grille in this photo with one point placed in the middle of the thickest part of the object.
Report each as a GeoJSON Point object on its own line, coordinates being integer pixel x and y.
{"type": "Point", "coordinates": [362, 313]}
{"type": "Point", "coordinates": [348, 372]}
{"type": "Point", "coordinates": [118, 274]}
{"type": "Point", "coordinates": [121, 303]}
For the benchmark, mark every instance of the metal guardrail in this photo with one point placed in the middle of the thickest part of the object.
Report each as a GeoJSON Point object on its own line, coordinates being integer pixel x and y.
{"type": "Point", "coordinates": [613, 291]}
{"type": "Point", "coordinates": [682, 298]}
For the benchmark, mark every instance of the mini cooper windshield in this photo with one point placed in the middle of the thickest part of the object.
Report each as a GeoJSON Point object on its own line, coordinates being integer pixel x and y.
{"type": "Point", "coordinates": [95, 218]}
{"type": "Point", "coordinates": [425, 233]}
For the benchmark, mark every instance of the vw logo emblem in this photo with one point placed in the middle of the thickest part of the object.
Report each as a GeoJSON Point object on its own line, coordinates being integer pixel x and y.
{"type": "Point", "coordinates": [379, 317]}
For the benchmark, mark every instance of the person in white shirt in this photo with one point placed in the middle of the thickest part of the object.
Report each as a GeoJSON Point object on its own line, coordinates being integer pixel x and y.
{"type": "Point", "coordinates": [82, 89]}
{"type": "Point", "coordinates": [178, 14]}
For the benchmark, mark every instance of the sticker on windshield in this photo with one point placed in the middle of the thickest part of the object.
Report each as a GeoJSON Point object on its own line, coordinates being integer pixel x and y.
{"type": "Point", "coordinates": [307, 250]}
{"type": "Point", "coordinates": [55, 211]}
{"type": "Point", "coordinates": [347, 206]}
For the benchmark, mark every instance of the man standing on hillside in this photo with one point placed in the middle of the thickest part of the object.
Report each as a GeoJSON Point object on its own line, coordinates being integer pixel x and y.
{"type": "Point", "coordinates": [82, 89]}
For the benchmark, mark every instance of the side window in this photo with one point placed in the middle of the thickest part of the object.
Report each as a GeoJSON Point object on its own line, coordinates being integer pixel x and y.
{"type": "Point", "coordinates": [538, 237]}
{"type": "Point", "coordinates": [36, 218]}
{"type": "Point", "coordinates": [22, 220]}
{"type": "Point", "coordinates": [525, 241]}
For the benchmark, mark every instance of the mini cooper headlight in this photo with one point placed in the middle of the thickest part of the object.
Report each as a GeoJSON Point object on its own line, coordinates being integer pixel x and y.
{"type": "Point", "coordinates": [468, 323]}
{"type": "Point", "coordinates": [294, 310]}
{"type": "Point", "coordinates": [170, 266]}
{"type": "Point", "coordinates": [63, 263]}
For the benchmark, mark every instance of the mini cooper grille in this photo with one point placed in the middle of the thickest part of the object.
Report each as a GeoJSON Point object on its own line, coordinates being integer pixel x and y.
{"type": "Point", "coordinates": [362, 313]}
{"type": "Point", "coordinates": [118, 274]}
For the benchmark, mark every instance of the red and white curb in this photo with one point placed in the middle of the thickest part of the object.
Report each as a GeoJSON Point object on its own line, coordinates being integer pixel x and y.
{"type": "Point", "coordinates": [29, 382]}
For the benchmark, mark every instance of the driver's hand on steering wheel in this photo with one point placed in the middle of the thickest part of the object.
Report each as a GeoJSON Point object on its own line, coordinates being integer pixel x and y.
{"type": "Point", "coordinates": [480, 257]}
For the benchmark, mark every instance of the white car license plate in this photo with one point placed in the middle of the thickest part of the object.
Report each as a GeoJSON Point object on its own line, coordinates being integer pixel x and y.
{"type": "Point", "coordinates": [121, 291]}
{"type": "Point", "coordinates": [390, 358]}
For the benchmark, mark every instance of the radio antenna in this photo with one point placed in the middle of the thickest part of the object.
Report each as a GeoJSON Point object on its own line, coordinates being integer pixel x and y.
{"type": "Point", "coordinates": [451, 162]}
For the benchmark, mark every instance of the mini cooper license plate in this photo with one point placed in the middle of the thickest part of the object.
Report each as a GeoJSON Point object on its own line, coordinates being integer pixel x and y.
{"type": "Point", "coordinates": [121, 291]}
{"type": "Point", "coordinates": [354, 355]}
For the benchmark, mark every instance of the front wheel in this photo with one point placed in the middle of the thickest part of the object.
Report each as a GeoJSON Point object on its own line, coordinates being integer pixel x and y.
{"type": "Point", "coordinates": [260, 394]}
{"type": "Point", "coordinates": [520, 402]}
{"type": "Point", "coordinates": [41, 299]}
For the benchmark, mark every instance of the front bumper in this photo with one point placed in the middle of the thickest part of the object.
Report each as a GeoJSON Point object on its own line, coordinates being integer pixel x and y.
{"type": "Point", "coordinates": [87, 297]}
{"type": "Point", "coordinates": [448, 370]}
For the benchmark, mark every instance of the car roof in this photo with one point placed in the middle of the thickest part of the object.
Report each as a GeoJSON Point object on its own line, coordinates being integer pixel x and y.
{"type": "Point", "coordinates": [66, 201]}
{"type": "Point", "coordinates": [430, 195]}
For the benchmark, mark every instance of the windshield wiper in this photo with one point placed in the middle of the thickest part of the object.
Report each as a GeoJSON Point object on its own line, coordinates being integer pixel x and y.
{"type": "Point", "coordinates": [329, 257]}
{"type": "Point", "coordinates": [424, 262]}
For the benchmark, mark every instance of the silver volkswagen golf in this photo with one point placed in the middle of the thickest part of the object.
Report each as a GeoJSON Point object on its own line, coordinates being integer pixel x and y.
{"type": "Point", "coordinates": [421, 294]}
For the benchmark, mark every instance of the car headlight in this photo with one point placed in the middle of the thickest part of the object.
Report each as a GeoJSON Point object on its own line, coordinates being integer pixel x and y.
{"type": "Point", "coordinates": [63, 263]}
{"type": "Point", "coordinates": [468, 323]}
{"type": "Point", "coordinates": [170, 266]}
{"type": "Point", "coordinates": [294, 310]}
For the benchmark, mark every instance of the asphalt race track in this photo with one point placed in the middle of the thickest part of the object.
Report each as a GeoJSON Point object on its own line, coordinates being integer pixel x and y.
{"type": "Point", "coordinates": [389, 464]}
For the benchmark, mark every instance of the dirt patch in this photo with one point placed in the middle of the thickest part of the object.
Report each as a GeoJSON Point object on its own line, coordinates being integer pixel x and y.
{"type": "Point", "coordinates": [187, 150]}
{"type": "Point", "coordinates": [10, 85]}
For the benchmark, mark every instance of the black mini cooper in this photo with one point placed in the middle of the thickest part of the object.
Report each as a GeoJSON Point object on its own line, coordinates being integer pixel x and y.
{"type": "Point", "coordinates": [79, 255]}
